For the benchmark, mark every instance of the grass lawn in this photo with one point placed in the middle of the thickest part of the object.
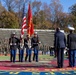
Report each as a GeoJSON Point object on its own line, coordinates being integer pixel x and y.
{"type": "Point", "coordinates": [41, 57]}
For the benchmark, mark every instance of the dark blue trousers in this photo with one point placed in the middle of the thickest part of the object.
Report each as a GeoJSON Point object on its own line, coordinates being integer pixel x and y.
{"type": "Point", "coordinates": [12, 55]}
{"type": "Point", "coordinates": [72, 58]}
{"type": "Point", "coordinates": [60, 57]}
{"type": "Point", "coordinates": [21, 54]}
{"type": "Point", "coordinates": [35, 55]}
{"type": "Point", "coordinates": [69, 57]}
{"type": "Point", "coordinates": [28, 54]}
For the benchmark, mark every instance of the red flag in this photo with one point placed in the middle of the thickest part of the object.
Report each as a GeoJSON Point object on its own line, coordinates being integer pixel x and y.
{"type": "Point", "coordinates": [30, 29]}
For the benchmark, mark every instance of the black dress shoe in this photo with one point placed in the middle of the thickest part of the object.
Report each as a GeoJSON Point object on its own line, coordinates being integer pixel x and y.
{"type": "Point", "coordinates": [29, 61]}
{"type": "Point", "coordinates": [57, 67]}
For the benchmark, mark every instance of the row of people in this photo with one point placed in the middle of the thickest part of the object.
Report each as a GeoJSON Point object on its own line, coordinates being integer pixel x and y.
{"type": "Point", "coordinates": [60, 44]}
{"type": "Point", "coordinates": [33, 44]}
{"type": "Point", "coordinates": [28, 43]}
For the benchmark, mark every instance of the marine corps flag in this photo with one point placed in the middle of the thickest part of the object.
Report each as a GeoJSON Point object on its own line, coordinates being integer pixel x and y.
{"type": "Point", "coordinates": [30, 29]}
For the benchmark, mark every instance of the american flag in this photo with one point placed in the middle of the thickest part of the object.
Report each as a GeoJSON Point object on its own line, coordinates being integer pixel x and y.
{"type": "Point", "coordinates": [23, 26]}
{"type": "Point", "coordinates": [23, 21]}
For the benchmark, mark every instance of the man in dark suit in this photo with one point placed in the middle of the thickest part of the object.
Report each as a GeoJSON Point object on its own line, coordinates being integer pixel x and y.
{"type": "Point", "coordinates": [71, 42]}
{"type": "Point", "coordinates": [60, 44]}
{"type": "Point", "coordinates": [55, 49]}
{"type": "Point", "coordinates": [69, 51]}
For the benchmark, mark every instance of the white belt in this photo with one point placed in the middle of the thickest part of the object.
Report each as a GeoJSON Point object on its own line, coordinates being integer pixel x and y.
{"type": "Point", "coordinates": [12, 43]}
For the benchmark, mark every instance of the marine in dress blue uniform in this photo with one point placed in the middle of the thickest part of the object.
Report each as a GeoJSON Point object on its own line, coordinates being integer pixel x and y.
{"type": "Point", "coordinates": [13, 42]}
{"type": "Point", "coordinates": [35, 46]}
{"type": "Point", "coordinates": [21, 50]}
{"type": "Point", "coordinates": [27, 44]}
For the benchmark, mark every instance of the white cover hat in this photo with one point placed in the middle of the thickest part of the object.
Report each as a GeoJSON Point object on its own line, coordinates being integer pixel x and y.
{"type": "Point", "coordinates": [71, 28]}
{"type": "Point", "coordinates": [13, 33]}
{"type": "Point", "coordinates": [35, 33]}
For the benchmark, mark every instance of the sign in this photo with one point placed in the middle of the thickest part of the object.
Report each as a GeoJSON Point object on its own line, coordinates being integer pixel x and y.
{"type": "Point", "coordinates": [37, 73]}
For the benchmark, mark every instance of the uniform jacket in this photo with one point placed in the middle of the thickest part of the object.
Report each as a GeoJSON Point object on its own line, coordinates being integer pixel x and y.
{"type": "Point", "coordinates": [35, 42]}
{"type": "Point", "coordinates": [13, 42]}
{"type": "Point", "coordinates": [26, 42]}
{"type": "Point", "coordinates": [71, 41]}
{"type": "Point", "coordinates": [60, 40]}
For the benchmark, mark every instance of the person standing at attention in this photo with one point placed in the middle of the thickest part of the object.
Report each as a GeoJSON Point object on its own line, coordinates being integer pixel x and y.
{"type": "Point", "coordinates": [59, 45]}
{"type": "Point", "coordinates": [13, 42]}
{"type": "Point", "coordinates": [71, 42]}
{"type": "Point", "coordinates": [27, 45]}
{"type": "Point", "coordinates": [35, 46]}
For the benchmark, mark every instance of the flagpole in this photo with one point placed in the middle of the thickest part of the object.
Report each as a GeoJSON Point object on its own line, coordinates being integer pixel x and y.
{"type": "Point", "coordinates": [23, 14]}
{"type": "Point", "coordinates": [23, 26]}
